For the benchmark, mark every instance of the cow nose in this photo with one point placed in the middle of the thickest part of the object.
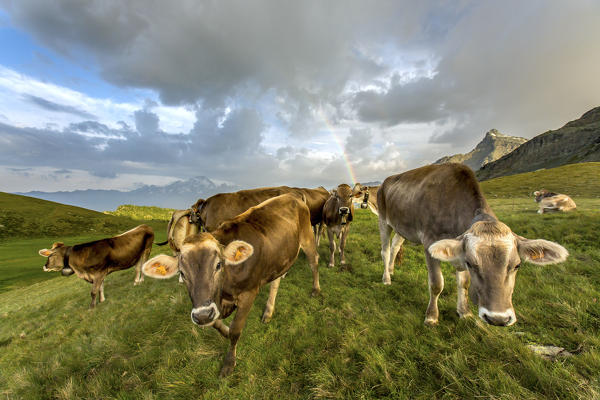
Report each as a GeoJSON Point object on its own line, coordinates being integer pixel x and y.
{"type": "Point", "coordinates": [344, 210]}
{"type": "Point", "coordinates": [497, 320]}
{"type": "Point", "coordinates": [205, 315]}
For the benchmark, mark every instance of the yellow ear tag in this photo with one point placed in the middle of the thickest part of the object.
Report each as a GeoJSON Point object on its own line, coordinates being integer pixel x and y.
{"type": "Point", "coordinates": [535, 256]}
{"type": "Point", "coordinates": [238, 255]}
{"type": "Point", "coordinates": [161, 270]}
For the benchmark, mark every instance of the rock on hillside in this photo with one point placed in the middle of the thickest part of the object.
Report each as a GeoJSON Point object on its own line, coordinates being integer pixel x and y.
{"type": "Point", "coordinates": [578, 141]}
{"type": "Point", "coordinates": [493, 146]}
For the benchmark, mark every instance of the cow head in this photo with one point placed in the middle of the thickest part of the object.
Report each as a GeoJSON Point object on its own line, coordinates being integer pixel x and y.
{"type": "Point", "coordinates": [203, 264]}
{"type": "Point", "coordinates": [492, 254]}
{"type": "Point", "coordinates": [540, 194]}
{"type": "Point", "coordinates": [56, 256]}
{"type": "Point", "coordinates": [343, 196]}
{"type": "Point", "coordinates": [361, 191]}
{"type": "Point", "coordinates": [194, 217]}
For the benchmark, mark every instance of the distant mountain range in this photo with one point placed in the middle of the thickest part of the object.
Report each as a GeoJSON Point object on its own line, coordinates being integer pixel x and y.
{"type": "Point", "coordinates": [179, 194]}
{"type": "Point", "coordinates": [577, 141]}
{"type": "Point", "coordinates": [493, 146]}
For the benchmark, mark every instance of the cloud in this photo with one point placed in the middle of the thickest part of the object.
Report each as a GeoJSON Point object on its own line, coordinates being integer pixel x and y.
{"type": "Point", "coordinates": [242, 86]}
{"type": "Point", "coordinates": [52, 106]}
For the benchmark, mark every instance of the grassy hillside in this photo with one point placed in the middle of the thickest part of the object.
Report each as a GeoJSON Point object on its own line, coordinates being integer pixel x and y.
{"type": "Point", "coordinates": [576, 180]}
{"type": "Point", "coordinates": [28, 224]}
{"type": "Point", "coordinates": [142, 212]}
{"type": "Point", "coordinates": [359, 339]}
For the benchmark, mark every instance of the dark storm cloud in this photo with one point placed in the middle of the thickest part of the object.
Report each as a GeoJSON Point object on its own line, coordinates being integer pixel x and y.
{"type": "Point", "coordinates": [457, 68]}
{"type": "Point", "coordinates": [52, 106]}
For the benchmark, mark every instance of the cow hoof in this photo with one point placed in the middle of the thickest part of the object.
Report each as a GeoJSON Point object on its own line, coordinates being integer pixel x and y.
{"type": "Point", "coordinates": [330, 265]}
{"type": "Point", "coordinates": [465, 315]}
{"type": "Point", "coordinates": [266, 319]}
{"type": "Point", "coordinates": [315, 292]}
{"type": "Point", "coordinates": [226, 371]}
{"type": "Point", "coordinates": [431, 321]}
{"type": "Point", "coordinates": [387, 281]}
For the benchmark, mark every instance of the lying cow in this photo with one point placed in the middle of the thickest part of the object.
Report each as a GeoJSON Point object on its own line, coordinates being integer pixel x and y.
{"type": "Point", "coordinates": [338, 213]}
{"type": "Point", "coordinates": [443, 207]}
{"type": "Point", "coordinates": [550, 201]}
{"type": "Point", "coordinates": [94, 260]}
{"type": "Point", "coordinates": [224, 270]}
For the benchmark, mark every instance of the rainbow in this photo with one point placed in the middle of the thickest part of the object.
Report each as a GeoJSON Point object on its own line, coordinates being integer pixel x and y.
{"type": "Point", "coordinates": [330, 127]}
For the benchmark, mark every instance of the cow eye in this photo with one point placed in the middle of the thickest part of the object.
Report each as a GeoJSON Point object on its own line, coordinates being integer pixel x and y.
{"type": "Point", "coordinates": [218, 267]}
{"type": "Point", "coordinates": [517, 266]}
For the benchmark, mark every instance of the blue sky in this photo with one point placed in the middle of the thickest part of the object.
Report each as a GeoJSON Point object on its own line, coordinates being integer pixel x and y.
{"type": "Point", "coordinates": [106, 94]}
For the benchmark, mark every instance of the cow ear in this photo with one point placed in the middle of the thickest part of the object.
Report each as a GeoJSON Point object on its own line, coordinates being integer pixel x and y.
{"type": "Point", "coordinates": [447, 250]}
{"type": "Point", "coordinates": [45, 252]}
{"type": "Point", "coordinates": [540, 251]}
{"type": "Point", "coordinates": [536, 193]}
{"type": "Point", "coordinates": [161, 267]}
{"type": "Point", "coordinates": [237, 252]}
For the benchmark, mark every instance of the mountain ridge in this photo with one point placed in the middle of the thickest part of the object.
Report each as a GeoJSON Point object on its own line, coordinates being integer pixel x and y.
{"type": "Point", "coordinates": [493, 146]}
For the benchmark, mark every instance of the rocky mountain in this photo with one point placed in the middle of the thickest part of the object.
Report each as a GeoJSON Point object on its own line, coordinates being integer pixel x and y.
{"type": "Point", "coordinates": [179, 194]}
{"type": "Point", "coordinates": [493, 146]}
{"type": "Point", "coordinates": [577, 141]}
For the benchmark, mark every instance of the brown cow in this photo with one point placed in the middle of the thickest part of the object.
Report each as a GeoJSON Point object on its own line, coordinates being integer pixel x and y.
{"type": "Point", "coordinates": [211, 212]}
{"type": "Point", "coordinates": [442, 207]}
{"type": "Point", "coordinates": [179, 227]}
{"type": "Point", "coordinates": [338, 213]}
{"type": "Point", "coordinates": [92, 261]}
{"type": "Point", "coordinates": [550, 201]}
{"type": "Point", "coordinates": [224, 270]}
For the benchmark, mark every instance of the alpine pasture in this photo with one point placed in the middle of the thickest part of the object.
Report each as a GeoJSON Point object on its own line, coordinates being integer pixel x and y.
{"type": "Point", "coordinates": [358, 339]}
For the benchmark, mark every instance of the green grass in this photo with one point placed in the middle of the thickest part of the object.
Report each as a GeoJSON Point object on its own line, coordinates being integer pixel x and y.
{"type": "Point", "coordinates": [142, 212]}
{"type": "Point", "coordinates": [359, 339]}
{"type": "Point", "coordinates": [28, 224]}
{"type": "Point", "coordinates": [576, 180]}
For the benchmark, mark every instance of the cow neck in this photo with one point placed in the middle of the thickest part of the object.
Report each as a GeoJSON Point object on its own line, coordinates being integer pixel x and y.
{"type": "Point", "coordinates": [66, 257]}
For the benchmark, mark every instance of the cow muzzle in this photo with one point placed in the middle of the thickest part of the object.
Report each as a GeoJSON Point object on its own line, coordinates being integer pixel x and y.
{"type": "Point", "coordinates": [365, 202]}
{"type": "Point", "coordinates": [205, 315]}
{"type": "Point", "coordinates": [505, 318]}
{"type": "Point", "coordinates": [344, 212]}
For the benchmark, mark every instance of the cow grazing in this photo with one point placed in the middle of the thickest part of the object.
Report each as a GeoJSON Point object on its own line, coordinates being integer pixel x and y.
{"type": "Point", "coordinates": [338, 213]}
{"type": "Point", "coordinates": [224, 269]}
{"type": "Point", "coordinates": [94, 260]}
{"type": "Point", "coordinates": [550, 201]}
{"type": "Point", "coordinates": [442, 207]}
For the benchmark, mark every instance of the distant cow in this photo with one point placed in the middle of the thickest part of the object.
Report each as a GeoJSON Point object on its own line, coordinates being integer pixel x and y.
{"type": "Point", "coordinates": [550, 201]}
{"type": "Point", "coordinates": [443, 207]}
{"type": "Point", "coordinates": [94, 260]}
{"type": "Point", "coordinates": [178, 229]}
{"type": "Point", "coordinates": [370, 201]}
{"type": "Point", "coordinates": [338, 213]}
{"type": "Point", "coordinates": [225, 269]}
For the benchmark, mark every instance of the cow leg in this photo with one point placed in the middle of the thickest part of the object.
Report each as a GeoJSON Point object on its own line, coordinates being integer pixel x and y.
{"type": "Point", "coordinates": [318, 229]}
{"type": "Point", "coordinates": [331, 237]}
{"type": "Point", "coordinates": [102, 298]}
{"type": "Point", "coordinates": [397, 242]}
{"type": "Point", "coordinates": [463, 281]}
{"type": "Point", "coordinates": [139, 277]}
{"type": "Point", "coordinates": [246, 299]}
{"type": "Point", "coordinates": [309, 247]}
{"type": "Point", "coordinates": [222, 328]}
{"type": "Point", "coordinates": [384, 233]}
{"type": "Point", "coordinates": [345, 232]}
{"type": "Point", "coordinates": [436, 285]}
{"type": "Point", "coordinates": [270, 307]}
{"type": "Point", "coordinates": [96, 285]}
